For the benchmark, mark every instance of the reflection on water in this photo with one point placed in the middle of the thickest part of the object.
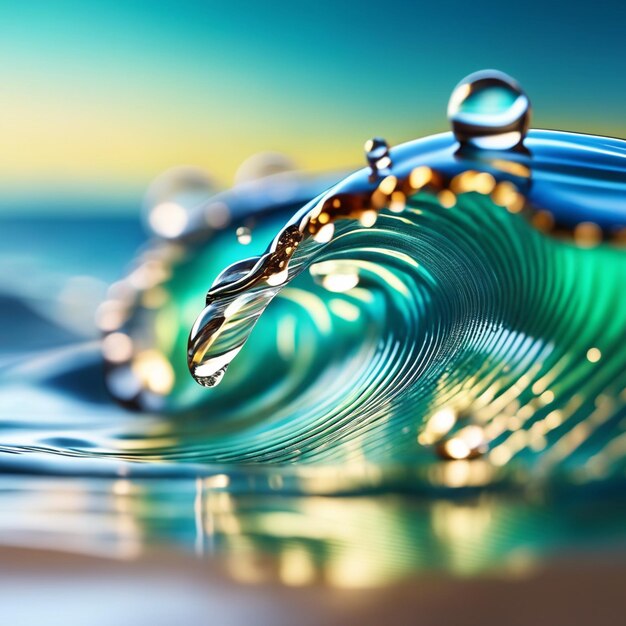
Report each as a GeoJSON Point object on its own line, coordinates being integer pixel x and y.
{"type": "Point", "coordinates": [347, 542]}
{"type": "Point", "coordinates": [355, 526]}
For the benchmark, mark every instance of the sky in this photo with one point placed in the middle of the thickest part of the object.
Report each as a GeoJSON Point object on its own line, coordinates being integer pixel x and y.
{"type": "Point", "coordinates": [97, 98]}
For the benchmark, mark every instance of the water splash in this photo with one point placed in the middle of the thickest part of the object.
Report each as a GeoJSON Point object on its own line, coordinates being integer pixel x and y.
{"type": "Point", "coordinates": [472, 293]}
{"type": "Point", "coordinates": [457, 303]}
{"type": "Point", "coordinates": [450, 318]}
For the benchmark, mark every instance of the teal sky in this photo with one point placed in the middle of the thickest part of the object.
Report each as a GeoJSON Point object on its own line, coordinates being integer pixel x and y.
{"type": "Point", "coordinates": [99, 97]}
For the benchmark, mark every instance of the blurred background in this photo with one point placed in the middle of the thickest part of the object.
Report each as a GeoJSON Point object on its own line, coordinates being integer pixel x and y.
{"type": "Point", "coordinates": [97, 100]}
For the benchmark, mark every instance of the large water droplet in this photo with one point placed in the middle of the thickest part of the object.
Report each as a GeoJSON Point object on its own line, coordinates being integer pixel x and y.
{"type": "Point", "coordinates": [262, 165]}
{"type": "Point", "coordinates": [220, 332]}
{"type": "Point", "coordinates": [489, 110]}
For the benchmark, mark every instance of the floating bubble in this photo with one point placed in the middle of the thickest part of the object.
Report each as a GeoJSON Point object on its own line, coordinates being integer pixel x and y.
{"type": "Point", "coordinates": [262, 165]}
{"type": "Point", "coordinates": [171, 198]}
{"type": "Point", "coordinates": [244, 235]}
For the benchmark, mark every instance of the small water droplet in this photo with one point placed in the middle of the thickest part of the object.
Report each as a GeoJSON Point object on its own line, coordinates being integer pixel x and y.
{"type": "Point", "coordinates": [244, 235]}
{"type": "Point", "coordinates": [489, 110]}
{"type": "Point", "coordinates": [377, 153]}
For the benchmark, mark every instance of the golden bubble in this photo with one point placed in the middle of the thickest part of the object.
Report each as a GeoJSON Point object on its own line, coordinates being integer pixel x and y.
{"type": "Point", "coordinates": [420, 177]}
{"type": "Point", "coordinates": [388, 184]}
{"type": "Point", "coordinates": [484, 183]}
{"type": "Point", "coordinates": [397, 202]}
{"type": "Point", "coordinates": [368, 218]}
{"type": "Point", "coordinates": [594, 355]}
{"type": "Point", "coordinates": [505, 194]}
{"type": "Point", "coordinates": [446, 198]}
{"type": "Point", "coordinates": [543, 221]}
{"type": "Point", "coordinates": [587, 234]}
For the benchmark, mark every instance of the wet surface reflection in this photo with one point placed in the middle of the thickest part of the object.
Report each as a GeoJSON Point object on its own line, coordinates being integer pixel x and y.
{"type": "Point", "coordinates": [345, 542]}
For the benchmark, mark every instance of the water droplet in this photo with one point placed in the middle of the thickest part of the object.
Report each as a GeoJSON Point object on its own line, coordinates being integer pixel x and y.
{"type": "Point", "coordinates": [206, 368]}
{"type": "Point", "coordinates": [489, 110]}
{"type": "Point", "coordinates": [262, 165]}
{"type": "Point", "coordinates": [377, 153]}
{"type": "Point", "coordinates": [173, 196]}
{"type": "Point", "coordinates": [244, 235]}
{"type": "Point", "coordinates": [220, 331]}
